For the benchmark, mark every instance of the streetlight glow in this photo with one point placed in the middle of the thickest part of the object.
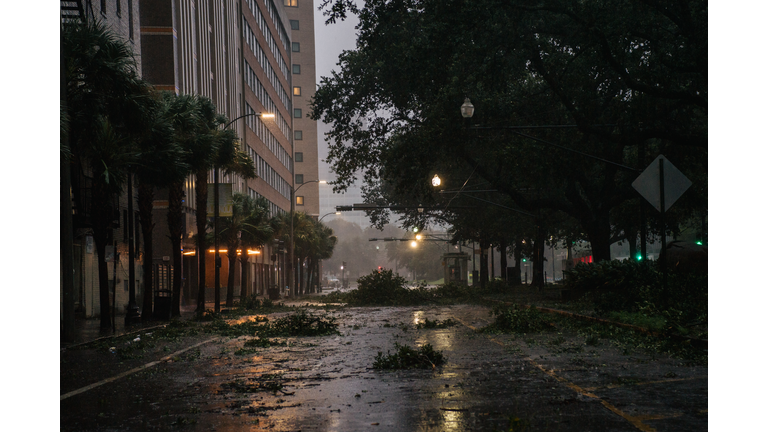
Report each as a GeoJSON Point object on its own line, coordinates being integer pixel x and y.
{"type": "Point", "coordinates": [467, 109]}
{"type": "Point", "coordinates": [436, 181]}
{"type": "Point", "coordinates": [414, 244]}
{"type": "Point", "coordinates": [418, 236]}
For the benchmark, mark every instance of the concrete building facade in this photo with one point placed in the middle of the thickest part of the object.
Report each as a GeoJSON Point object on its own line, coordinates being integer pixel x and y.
{"type": "Point", "coordinates": [301, 18]}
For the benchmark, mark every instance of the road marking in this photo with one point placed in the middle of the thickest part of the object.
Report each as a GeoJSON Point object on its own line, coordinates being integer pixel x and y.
{"type": "Point", "coordinates": [613, 386]}
{"type": "Point", "coordinates": [632, 419]}
{"type": "Point", "coordinates": [132, 371]}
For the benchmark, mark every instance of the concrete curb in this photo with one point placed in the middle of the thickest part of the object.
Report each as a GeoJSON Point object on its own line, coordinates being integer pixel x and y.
{"type": "Point", "coordinates": [699, 343]}
{"type": "Point", "coordinates": [113, 336]}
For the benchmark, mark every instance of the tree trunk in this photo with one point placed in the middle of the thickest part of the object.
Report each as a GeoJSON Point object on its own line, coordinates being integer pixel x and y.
{"type": "Point", "coordinates": [538, 258]}
{"type": "Point", "coordinates": [146, 196]}
{"type": "Point", "coordinates": [517, 280]}
{"type": "Point", "coordinates": [632, 240]}
{"type": "Point", "coordinates": [102, 212]}
{"type": "Point", "coordinates": [66, 226]}
{"type": "Point", "coordinates": [232, 259]}
{"type": "Point", "coordinates": [201, 198]}
{"type": "Point", "coordinates": [175, 232]}
{"type": "Point", "coordinates": [483, 264]}
{"type": "Point", "coordinates": [300, 271]}
{"type": "Point", "coordinates": [503, 258]}
{"type": "Point", "coordinates": [244, 288]}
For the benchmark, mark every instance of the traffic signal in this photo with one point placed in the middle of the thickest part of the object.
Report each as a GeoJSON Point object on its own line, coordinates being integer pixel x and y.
{"type": "Point", "coordinates": [379, 269]}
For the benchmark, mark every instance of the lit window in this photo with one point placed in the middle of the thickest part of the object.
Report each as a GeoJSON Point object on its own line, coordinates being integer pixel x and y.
{"type": "Point", "coordinates": [298, 135]}
{"type": "Point", "coordinates": [297, 69]}
{"type": "Point", "coordinates": [300, 200]}
{"type": "Point", "coordinates": [297, 113]}
{"type": "Point", "coordinates": [299, 178]}
{"type": "Point", "coordinates": [297, 91]}
{"type": "Point", "coordinates": [299, 157]}
{"type": "Point", "coordinates": [295, 47]}
{"type": "Point", "coordinates": [291, 3]}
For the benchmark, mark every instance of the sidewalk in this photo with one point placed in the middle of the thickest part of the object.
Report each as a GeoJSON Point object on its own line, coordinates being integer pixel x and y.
{"type": "Point", "coordinates": [89, 330]}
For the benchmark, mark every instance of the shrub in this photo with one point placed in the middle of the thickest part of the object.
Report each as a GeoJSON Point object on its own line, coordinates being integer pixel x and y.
{"type": "Point", "coordinates": [517, 320]}
{"type": "Point", "coordinates": [406, 357]}
{"type": "Point", "coordinates": [636, 288]}
{"type": "Point", "coordinates": [381, 288]}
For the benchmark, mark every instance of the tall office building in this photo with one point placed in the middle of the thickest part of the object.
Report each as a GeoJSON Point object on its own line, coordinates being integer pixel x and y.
{"type": "Point", "coordinates": [302, 27]}
{"type": "Point", "coordinates": [239, 54]}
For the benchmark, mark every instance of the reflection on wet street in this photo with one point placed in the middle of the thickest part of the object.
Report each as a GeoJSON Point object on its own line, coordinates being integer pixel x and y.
{"type": "Point", "coordinates": [489, 382]}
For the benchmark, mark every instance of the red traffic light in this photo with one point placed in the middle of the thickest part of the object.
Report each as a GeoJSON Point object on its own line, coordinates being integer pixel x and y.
{"type": "Point", "coordinates": [379, 268]}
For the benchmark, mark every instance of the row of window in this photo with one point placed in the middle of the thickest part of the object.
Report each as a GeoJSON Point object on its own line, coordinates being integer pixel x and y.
{"type": "Point", "coordinates": [261, 94]}
{"type": "Point", "coordinates": [264, 134]}
{"type": "Point", "coordinates": [261, 57]}
{"type": "Point", "coordinates": [268, 36]}
{"type": "Point", "coordinates": [274, 209]}
{"type": "Point", "coordinates": [269, 175]}
{"type": "Point", "coordinates": [272, 11]}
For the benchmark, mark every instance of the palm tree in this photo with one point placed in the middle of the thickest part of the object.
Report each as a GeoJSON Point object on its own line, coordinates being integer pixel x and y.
{"type": "Point", "coordinates": [248, 227]}
{"type": "Point", "coordinates": [161, 164]}
{"type": "Point", "coordinates": [218, 148]}
{"type": "Point", "coordinates": [183, 113]}
{"type": "Point", "coordinates": [255, 238]}
{"type": "Point", "coordinates": [320, 249]}
{"type": "Point", "coordinates": [105, 110]}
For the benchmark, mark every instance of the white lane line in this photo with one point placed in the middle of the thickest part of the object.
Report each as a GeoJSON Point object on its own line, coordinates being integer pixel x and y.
{"type": "Point", "coordinates": [132, 371]}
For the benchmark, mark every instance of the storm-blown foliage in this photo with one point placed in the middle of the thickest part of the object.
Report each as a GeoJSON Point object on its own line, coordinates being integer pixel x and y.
{"type": "Point", "coordinates": [623, 81]}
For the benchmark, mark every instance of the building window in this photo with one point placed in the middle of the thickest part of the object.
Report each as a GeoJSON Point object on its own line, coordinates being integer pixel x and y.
{"type": "Point", "coordinates": [297, 113]}
{"type": "Point", "coordinates": [297, 91]}
{"type": "Point", "coordinates": [299, 157]}
{"type": "Point", "coordinates": [291, 3]}
{"type": "Point", "coordinates": [295, 47]}
{"type": "Point", "coordinates": [300, 200]}
{"type": "Point", "coordinates": [297, 69]}
{"type": "Point", "coordinates": [130, 19]}
{"type": "Point", "coordinates": [294, 24]}
{"type": "Point", "coordinates": [117, 5]}
{"type": "Point", "coordinates": [298, 135]}
{"type": "Point", "coordinates": [299, 178]}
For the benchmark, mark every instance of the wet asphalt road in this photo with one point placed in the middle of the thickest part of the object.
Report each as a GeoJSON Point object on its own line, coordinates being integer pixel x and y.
{"type": "Point", "coordinates": [548, 381]}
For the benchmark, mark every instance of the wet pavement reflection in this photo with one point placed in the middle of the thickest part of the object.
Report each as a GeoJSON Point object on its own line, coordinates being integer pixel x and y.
{"type": "Point", "coordinates": [488, 382]}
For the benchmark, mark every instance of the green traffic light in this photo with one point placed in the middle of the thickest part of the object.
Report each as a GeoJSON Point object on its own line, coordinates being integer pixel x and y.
{"type": "Point", "coordinates": [639, 257]}
{"type": "Point", "coordinates": [699, 243]}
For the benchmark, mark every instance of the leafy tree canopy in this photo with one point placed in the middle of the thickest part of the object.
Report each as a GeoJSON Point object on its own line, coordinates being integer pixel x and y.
{"type": "Point", "coordinates": [612, 75]}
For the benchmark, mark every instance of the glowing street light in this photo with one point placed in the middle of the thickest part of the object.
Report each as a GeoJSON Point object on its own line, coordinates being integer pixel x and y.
{"type": "Point", "coordinates": [436, 181]}
{"type": "Point", "coordinates": [414, 244]}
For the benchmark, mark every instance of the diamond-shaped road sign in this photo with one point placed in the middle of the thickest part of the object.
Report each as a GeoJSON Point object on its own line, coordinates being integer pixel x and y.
{"type": "Point", "coordinates": [649, 184]}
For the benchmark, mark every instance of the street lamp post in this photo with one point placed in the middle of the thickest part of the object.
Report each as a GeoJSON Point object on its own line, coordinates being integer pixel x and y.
{"type": "Point", "coordinates": [216, 258]}
{"type": "Point", "coordinates": [292, 288]}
